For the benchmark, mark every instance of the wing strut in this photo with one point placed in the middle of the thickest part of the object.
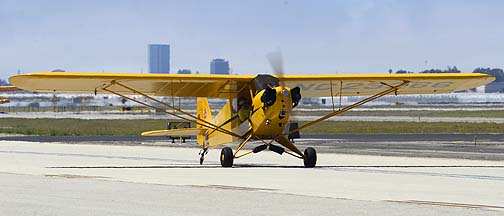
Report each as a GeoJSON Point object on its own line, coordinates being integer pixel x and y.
{"type": "Point", "coordinates": [349, 107]}
{"type": "Point", "coordinates": [194, 120]}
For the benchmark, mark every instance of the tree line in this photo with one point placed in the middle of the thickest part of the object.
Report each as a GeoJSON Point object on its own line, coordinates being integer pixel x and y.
{"type": "Point", "coordinates": [448, 69]}
{"type": "Point", "coordinates": [496, 72]}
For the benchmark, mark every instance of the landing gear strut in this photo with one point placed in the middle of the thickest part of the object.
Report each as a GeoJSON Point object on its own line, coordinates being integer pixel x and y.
{"type": "Point", "coordinates": [202, 154]}
{"type": "Point", "coordinates": [226, 157]}
{"type": "Point", "coordinates": [310, 157]}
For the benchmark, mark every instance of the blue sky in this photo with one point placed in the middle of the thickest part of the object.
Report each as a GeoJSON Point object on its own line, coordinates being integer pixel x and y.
{"type": "Point", "coordinates": [316, 37]}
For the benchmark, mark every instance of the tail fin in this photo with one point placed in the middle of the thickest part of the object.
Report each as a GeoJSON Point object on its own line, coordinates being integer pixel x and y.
{"type": "Point", "coordinates": [202, 112]}
{"type": "Point", "coordinates": [224, 119]}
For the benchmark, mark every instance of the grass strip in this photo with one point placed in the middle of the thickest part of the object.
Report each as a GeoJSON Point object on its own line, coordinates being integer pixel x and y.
{"type": "Point", "coordinates": [371, 127]}
{"type": "Point", "coordinates": [119, 127]}
{"type": "Point", "coordinates": [79, 127]}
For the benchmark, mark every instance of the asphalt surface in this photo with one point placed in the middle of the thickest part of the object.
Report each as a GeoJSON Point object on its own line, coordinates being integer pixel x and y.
{"type": "Point", "coordinates": [81, 195]}
{"type": "Point", "coordinates": [464, 146]}
{"type": "Point", "coordinates": [357, 174]}
{"type": "Point", "coordinates": [57, 178]}
{"type": "Point", "coordinates": [351, 137]}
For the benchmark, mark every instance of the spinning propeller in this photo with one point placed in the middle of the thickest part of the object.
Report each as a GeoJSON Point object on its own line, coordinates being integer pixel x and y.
{"type": "Point", "coordinates": [276, 62]}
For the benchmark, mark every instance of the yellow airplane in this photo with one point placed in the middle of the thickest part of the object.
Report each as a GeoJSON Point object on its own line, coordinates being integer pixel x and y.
{"type": "Point", "coordinates": [266, 101]}
{"type": "Point", "coordinates": [4, 100]}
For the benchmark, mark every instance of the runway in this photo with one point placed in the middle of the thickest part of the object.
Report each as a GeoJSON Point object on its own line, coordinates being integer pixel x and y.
{"type": "Point", "coordinates": [82, 179]}
{"type": "Point", "coordinates": [462, 146]}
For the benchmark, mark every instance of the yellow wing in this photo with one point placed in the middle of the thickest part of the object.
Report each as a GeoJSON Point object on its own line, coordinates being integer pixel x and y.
{"type": "Point", "coordinates": [179, 85]}
{"type": "Point", "coordinates": [228, 86]}
{"type": "Point", "coordinates": [370, 84]}
{"type": "Point", "coordinates": [176, 132]}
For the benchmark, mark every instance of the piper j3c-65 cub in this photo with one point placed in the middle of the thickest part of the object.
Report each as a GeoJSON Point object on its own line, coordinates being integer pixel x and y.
{"type": "Point", "coordinates": [265, 101]}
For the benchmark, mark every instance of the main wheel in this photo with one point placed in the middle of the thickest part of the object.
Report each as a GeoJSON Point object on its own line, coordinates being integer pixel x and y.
{"type": "Point", "coordinates": [310, 157]}
{"type": "Point", "coordinates": [226, 157]}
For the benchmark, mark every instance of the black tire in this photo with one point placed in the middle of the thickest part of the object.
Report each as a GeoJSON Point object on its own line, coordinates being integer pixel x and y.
{"type": "Point", "coordinates": [310, 157]}
{"type": "Point", "coordinates": [226, 157]}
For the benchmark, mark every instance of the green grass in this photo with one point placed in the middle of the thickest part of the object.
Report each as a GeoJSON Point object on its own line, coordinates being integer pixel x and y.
{"type": "Point", "coordinates": [79, 127]}
{"type": "Point", "coordinates": [334, 127]}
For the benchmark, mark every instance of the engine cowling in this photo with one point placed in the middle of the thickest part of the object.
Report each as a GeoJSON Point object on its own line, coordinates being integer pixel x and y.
{"type": "Point", "coordinates": [296, 96]}
{"type": "Point", "coordinates": [269, 97]}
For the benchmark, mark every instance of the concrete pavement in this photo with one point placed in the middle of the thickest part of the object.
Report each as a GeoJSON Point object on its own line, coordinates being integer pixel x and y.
{"type": "Point", "coordinates": [51, 178]}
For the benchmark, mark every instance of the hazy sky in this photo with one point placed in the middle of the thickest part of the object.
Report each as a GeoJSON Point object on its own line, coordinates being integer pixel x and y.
{"type": "Point", "coordinates": [315, 36]}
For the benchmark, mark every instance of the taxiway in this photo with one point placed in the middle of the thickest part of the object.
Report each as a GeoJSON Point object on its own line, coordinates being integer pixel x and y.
{"type": "Point", "coordinates": [82, 179]}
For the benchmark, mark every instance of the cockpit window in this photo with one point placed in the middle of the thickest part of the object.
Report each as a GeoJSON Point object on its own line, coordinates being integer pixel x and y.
{"type": "Point", "coordinates": [263, 81]}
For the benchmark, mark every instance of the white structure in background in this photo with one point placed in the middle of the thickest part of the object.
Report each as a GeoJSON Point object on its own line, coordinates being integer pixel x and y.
{"type": "Point", "coordinates": [75, 100]}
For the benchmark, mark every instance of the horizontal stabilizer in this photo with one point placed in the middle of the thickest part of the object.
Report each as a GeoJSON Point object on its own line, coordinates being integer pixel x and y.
{"type": "Point", "coordinates": [176, 132]}
{"type": "Point", "coordinates": [8, 88]}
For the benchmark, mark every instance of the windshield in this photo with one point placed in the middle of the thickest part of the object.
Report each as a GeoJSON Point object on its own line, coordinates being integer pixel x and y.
{"type": "Point", "coordinates": [263, 81]}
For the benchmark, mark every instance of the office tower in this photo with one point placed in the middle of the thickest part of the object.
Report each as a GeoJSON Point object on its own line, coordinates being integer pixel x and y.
{"type": "Point", "coordinates": [159, 58]}
{"type": "Point", "coordinates": [219, 66]}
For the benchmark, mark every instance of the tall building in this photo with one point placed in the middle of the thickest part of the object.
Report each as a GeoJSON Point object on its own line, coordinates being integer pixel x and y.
{"type": "Point", "coordinates": [159, 58]}
{"type": "Point", "coordinates": [219, 66]}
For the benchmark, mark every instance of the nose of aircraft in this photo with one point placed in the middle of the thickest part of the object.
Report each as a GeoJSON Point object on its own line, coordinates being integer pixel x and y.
{"type": "Point", "coordinates": [285, 92]}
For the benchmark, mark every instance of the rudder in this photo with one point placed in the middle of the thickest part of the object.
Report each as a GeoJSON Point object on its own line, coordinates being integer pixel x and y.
{"type": "Point", "coordinates": [202, 112]}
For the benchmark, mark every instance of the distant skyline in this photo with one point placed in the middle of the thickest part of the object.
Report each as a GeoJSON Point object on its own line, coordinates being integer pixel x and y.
{"type": "Point", "coordinates": [321, 36]}
{"type": "Point", "coordinates": [159, 58]}
{"type": "Point", "coordinates": [219, 66]}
